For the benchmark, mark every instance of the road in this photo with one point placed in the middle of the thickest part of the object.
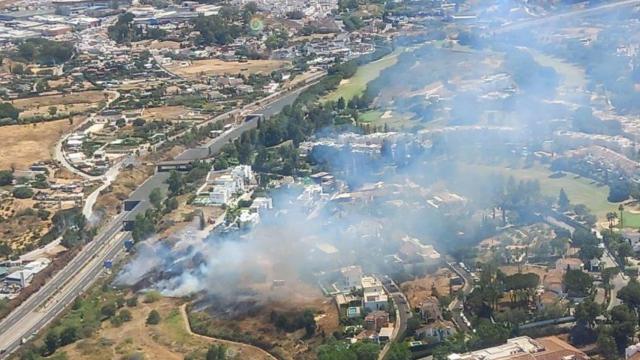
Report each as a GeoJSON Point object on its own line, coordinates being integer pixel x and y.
{"type": "Point", "coordinates": [455, 307]}
{"type": "Point", "coordinates": [618, 281]}
{"type": "Point", "coordinates": [83, 270]}
{"type": "Point", "coordinates": [43, 306]}
{"type": "Point", "coordinates": [269, 109]}
{"type": "Point", "coordinates": [403, 313]}
{"type": "Point", "coordinates": [108, 178]}
{"type": "Point", "coordinates": [58, 153]}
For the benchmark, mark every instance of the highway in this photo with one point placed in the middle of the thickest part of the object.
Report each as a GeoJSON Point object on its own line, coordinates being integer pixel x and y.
{"type": "Point", "coordinates": [43, 306]}
{"type": "Point", "coordinates": [269, 109]}
{"type": "Point", "coordinates": [84, 269]}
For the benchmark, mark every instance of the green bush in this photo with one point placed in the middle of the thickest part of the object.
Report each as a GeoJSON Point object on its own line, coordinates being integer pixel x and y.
{"type": "Point", "coordinates": [153, 318]}
{"type": "Point", "coordinates": [22, 193]}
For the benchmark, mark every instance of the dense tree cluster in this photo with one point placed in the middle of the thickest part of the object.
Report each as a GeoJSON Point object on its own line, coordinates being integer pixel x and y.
{"type": "Point", "coordinates": [8, 111]}
{"type": "Point", "coordinates": [125, 31]}
{"type": "Point", "coordinates": [216, 29]}
{"type": "Point", "coordinates": [290, 322]}
{"type": "Point", "coordinates": [45, 52]}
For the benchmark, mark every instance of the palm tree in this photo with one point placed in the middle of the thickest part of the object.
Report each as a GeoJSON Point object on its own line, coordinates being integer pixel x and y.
{"type": "Point", "coordinates": [621, 209]}
{"type": "Point", "coordinates": [610, 217]}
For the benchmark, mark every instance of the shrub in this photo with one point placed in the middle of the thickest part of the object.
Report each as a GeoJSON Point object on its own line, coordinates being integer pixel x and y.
{"type": "Point", "coordinates": [153, 318]}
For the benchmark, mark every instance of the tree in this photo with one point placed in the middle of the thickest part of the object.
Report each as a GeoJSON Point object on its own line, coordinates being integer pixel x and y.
{"type": "Point", "coordinates": [630, 294]}
{"type": "Point", "coordinates": [132, 301]}
{"type": "Point", "coordinates": [399, 351]}
{"type": "Point", "coordinates": [143, 227]}
{"type": "Point", "coordinates": [155, 197]}
{"type": "Point", "coordinates": [53, 110]}
{"type": "Point", "coordinates": [51, 341]}
{"type": "Point", "coordinates": [621, 210]}
{"type": "Point", "coordinates": [611, 216]}
{"type": "Point", "coordinates": [22, 193]}
{"type": "Point", "coordinates": [153, 318]}
{"type": "Point", "coordinates": [125, 315]}
{"type": "Point", "coordinates": [108, 310]}
{"type": "Point", "coordinates": [578, 283]}
{"type": "Point", "coordinates": [175, 183]}
{"type": "Point", "coordinates": [490, 335]}
{"type": "Point", "coordinates": [563, 200]}
{"type": "Point", "coordinates": [68, 335]}
{"type": "Point", "coordinates": [7, 110]}
{"type": "Point", "coordinates": [624, 323]}
{"type": "Point", "coordinates": [216, 352]}
{"type": "Point", "coordinates": [607, 346]}
{"type": "Point", "coordinates": [170, 204]}
{"type": "Point", "coordinates": [6, 177]}
{"type": "Point", "coordinates": [624, 251]}
{"type": "Point", "coordinates": [587, 312]}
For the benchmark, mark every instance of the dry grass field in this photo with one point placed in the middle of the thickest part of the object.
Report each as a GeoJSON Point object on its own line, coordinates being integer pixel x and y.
{"type": "Point", "coordinates": [166, 113]}
{"type": "Point", "coordinates": [67, 103]}
{"type": "Point", "coordinates": [171, 339]}
{"type": "Point", "coordinates": [220, 67]}
{"type": "Point", "coordinates": [22, 145]}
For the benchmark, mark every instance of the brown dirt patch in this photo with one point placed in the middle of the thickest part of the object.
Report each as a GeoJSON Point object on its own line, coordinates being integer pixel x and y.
{"type": "Point", "coordinates": [220, 67]}
{"type": "Point", "coordinates": [22, 145]}
{"type": "Point", "coordinates": [166, 113]}
{"type": "Point", "coordinates": [84, 97]}
{"type": "Point", "coordinates": [541, 271]}
{"type": "Point", "coordinates": [420, 288]}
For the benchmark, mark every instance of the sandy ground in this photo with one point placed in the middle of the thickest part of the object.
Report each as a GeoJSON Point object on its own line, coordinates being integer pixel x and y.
{"type": "Point", "coordinates": [220, 67]}
{"type": "Point", "coordinates": [84, 97]}
{"type": "Point", "coordinates": [541, 271]}
{"type": "Point", "coordinates": [61, 109]}
{"type": "Point", "coordinates": [419, 289]}
{"type": "Point", "coordinates": [165, 113]}
{"type": "Point", "coordinates": [22, 145]}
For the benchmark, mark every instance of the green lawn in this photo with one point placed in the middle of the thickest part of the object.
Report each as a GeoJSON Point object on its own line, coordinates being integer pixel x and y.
{"type": "Point", "coordinates": [366, 73]}
{"type": "Point", "coordinates": [579, 190]}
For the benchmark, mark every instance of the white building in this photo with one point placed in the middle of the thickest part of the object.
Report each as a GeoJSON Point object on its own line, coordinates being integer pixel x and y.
{"type": "Point", "coordinates": [261, 203]}
{"type": "Point", "coordinates": [244, 172]}
{"type": "Point", "coordinates": [219, 195]}
{"type": "Point", "coordinates": [20, 277]}
{"type": "Point", "coordinates": [374, 296]}
{"type": "Point", "coordinates": [351, 277]}
{"type": "Point", "coordinates": [248, 219]}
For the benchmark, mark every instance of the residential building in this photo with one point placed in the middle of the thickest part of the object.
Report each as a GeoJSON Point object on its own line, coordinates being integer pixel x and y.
{"type": "Point", "coordinates": [374, 296]}
{"type": "Point", "coordinates": [376, 320]}
{"type": "Point", "coordinates": [20, 277]}
{"type": "Point", "coordinates": [438, 330]}
{"type": "Point", "coordinates": [569, 264]}
{"type": "Point", "coordinates": [261, 203]}
{"type": "Point", "coordinates": [351, 278]}
{"type": "Point", "coordinates": [430, 309]}
{"type": "Point", "coordinates": [248, 219]}
{"type": "Point", "coordinates": [525, 348]}
{"type": "Point", "coordinates": [353, 312]}
{"type": "Point", "coordinates": [219, 195]}
{"type": "Point", "coordinates": [413, 251]}
{"type": "Point", "coordinates": [385, 334]}
{"type": "Point", "coordinates": [632, 352]}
